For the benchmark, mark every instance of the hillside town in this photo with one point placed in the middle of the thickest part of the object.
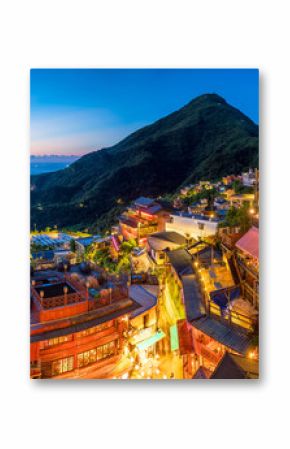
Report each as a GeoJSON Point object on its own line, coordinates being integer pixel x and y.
{"type": "Point", "coordinates": [170, 291]}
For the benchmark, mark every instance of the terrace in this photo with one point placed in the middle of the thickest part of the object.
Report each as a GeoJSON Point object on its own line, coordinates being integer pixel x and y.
{"type": "Point", "coordinates": [58, 294]}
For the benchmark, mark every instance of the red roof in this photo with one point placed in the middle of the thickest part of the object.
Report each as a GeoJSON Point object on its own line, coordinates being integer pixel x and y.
{"type": "Point", "coordinates": [249, 243]}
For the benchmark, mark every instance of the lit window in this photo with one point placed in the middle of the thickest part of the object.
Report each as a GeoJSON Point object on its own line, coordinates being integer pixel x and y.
{"type": "Point", "coordinates": [57, 341]}
{"type": "Point", "coordinates": [62, 365]}
{"type": "Point", "coordinates": [96, 354]}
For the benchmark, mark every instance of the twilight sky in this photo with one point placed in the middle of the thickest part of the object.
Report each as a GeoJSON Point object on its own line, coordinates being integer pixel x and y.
{"type": "Point", "coordinates": [75, 111]}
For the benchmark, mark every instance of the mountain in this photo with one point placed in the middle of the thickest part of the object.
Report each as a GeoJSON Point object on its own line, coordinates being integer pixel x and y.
{"type": "Point", "coordinates": [206, 139]}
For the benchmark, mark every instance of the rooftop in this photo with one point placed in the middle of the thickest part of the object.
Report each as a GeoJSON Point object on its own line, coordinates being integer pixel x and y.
{"type": "Point", "coordinates": [230, 337]}
{"type": "Point", "coordinates": [192, 298]}
{"type": "Point", "coordinates": [196, 216]}
{"type": "Point", "coordinates": [142, 296]}
{"type": "Point", "coordinates": [249, 243]}
{"type": "Point", "coordinates": [207, 255]}
{"type": "Point", "coordinates": [87, 241]}
{"type": "Point", "coordinates": [181, 261]}
{"type": "Point", "coordinates": [170, 236]}
{"type": "Point", "coordinates": [52, 290]}
{"type": "Point", "coordinates": [234, 366]}
{"type": "Point", "coordinates": [43, 255]}
{"type": "Point", "coordinates": [85, 320]}
{"type": "Point", "coordinates": [144, 202]}
{"type": "Point", "coordinates": [53, 239]}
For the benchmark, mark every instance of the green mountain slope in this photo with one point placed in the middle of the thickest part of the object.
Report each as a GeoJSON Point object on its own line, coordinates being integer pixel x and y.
{"type": "Point", "coordinates": [205, 139]}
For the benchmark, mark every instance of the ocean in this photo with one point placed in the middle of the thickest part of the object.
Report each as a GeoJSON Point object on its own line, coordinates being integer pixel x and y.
{"type": "Point", "coordinates": [46, 164]}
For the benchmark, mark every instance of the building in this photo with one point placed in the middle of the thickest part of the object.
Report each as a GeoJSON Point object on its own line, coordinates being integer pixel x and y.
{"type": "Point", "coordinates": [249, 178]}
{"type": "Point", "coordinates": [115, 245]}
{"type": "Point", "coordinates": [247, 257]}
{"type": "Point", "coordinates": [51, 240]}
{"type": "Point", "coordinates": [64, 255]}
{"type": "Point", "coordinates": [198, 206]}
{"type": "Point", "coordinates": [143, 333]}
{"type": "Point", "coordinates": [76, 335]}
{"type": "Point", "coordinates": [160, 242]}
{"type": "Point", "coordinates": [95, 241]}
{"type": "Point", "coordinates": [204, 336]}
{"type": "Point", "coordinates": [233, 366]}
{"type": "Point", "coordinates": [221, 203]}
{"type": "Point", "coordinates": [43, 260]}
{"type": "Point", "coordinates": [238, 199]}
{"type": "Point", "coordinates": [144, 217]}
{"type": "Point", "coordinates": [192, 226]}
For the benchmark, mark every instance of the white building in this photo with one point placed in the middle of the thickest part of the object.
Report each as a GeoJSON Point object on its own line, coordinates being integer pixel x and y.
{"type": "Point", "coordinates": [249, 178]}
{"type": "Point", "coordinates": [193, 226]}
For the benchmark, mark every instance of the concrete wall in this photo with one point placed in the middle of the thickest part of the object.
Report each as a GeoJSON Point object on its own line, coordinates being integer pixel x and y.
{"type": "Point", "coordinates": [191, 226]}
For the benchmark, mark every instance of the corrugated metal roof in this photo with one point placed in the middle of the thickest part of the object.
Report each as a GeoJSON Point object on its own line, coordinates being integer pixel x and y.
{"type": "Point", "coordinates": [227, 336]}
{"type": "Point", "coordinates": [192, 297]}
{"type": "Point", "coordinates": [181, 261]}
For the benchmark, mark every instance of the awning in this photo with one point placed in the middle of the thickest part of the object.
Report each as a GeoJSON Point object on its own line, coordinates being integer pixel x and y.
{"type": "Point", "coordinates": [174, 341]}
{"type": "Point", "coordinates": [151, 340]}
{"type": "Point", "coordinates": [249, 243]}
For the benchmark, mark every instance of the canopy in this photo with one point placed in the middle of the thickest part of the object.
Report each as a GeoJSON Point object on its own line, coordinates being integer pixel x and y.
{"type": "Point", "coordinates": [151, 340]}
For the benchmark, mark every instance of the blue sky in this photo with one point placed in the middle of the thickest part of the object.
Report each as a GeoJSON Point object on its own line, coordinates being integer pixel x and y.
{"type": "Point", "coordinates": [75, 111]}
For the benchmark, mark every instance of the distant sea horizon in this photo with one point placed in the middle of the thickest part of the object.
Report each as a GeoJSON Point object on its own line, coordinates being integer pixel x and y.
{"type": "Point", "coordinates": [50, 163]}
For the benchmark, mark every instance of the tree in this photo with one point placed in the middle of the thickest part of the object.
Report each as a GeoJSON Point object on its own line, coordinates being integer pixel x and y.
{"type": "Point", "coordinates": [72, 245]}
{"type": "Point", "coordinates": [238, 218]}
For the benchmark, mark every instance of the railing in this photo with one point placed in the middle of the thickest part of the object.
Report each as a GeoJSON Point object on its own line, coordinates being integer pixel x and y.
{"type": "Point", "coordinates": [57, 301]}
{"type": "Point", "coordinates": [233, 317]}
{"type": "Point", "coordinates": [251, 269]}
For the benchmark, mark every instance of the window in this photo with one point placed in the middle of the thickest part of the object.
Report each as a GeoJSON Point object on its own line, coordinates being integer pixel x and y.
{"type": "Point", "coordinates": [62, 365]}
{"type": "Point", "coordinates": [57, 341]}
{"type": "Point", "coordinates": [200, 226]}
{"type": "Point", "coordinates": [95, 329]}
{"type": "Point", "coordinates": [96, 354]}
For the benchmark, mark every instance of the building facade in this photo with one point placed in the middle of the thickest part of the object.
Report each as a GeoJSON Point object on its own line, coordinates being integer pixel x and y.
{"type": "Point", "coordinates": [192, 226]}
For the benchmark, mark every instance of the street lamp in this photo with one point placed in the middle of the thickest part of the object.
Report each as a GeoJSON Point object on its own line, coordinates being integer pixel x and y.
{"type": "Point", "coordinates": [251, 212]}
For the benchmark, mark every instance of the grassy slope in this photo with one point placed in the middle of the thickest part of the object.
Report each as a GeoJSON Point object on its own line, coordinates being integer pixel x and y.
{"type": "Point", "coordinates": [205, 139]}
